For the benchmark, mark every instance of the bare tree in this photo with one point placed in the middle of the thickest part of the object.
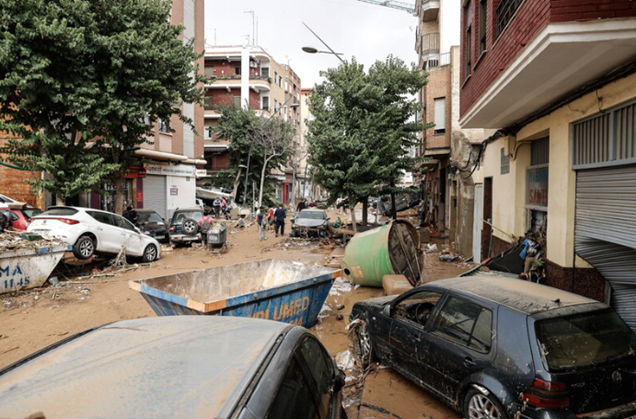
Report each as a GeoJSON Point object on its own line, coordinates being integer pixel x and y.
{"type": "Point", "coordinates": [274, 138]}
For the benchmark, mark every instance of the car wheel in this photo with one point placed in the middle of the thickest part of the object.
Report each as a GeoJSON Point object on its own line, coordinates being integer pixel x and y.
{"type": "Point", "coordinates": [190, 226]}
{"type": "Point", "coordinates": [84, 248]}
{"type": "Point", "coordinates": [361, 342]}
{"type": "Point", "coordinates": [478, 405]}
{"type": "Point", "coordinates": [150, 253]}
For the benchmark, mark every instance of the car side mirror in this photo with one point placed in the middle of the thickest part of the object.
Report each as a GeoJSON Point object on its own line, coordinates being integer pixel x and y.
{"type": "Point", "coordinates": [387, 310]}
{"type": "Point", "coordinates": [338, 380]}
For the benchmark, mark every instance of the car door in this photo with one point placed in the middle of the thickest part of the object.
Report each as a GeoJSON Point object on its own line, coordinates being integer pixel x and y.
{"type": "Point", "coordinates": [106, 231]}
{"type": "Point", "coordinates": [460, 343]}
{"type": "Point", "coordinates": [130, 237]}
{"type": "Point", "coordinates": [407, 340]}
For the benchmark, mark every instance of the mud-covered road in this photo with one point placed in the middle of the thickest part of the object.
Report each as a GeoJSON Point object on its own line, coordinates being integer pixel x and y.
{"type": "Point", "coordinates": [33, 319]}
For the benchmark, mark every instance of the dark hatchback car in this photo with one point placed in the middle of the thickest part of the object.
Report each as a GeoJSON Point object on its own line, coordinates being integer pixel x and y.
{"type": "Point", "coordinates": [152, 224]}
{"type": "Point", "coordinates": [178, 366]}
{"type": "Point", "coordinates": [495, 347]}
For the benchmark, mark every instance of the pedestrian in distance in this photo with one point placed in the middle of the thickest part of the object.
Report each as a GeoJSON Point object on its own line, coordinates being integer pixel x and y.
{"type": "Point", "coordinates": [270, 218]}
{"type": "Point", "coordinates": [279, 216]}
{"type": "Point", "coordinates": [216, 205]}
{"type": "Point", "coordinates": [261, 220]}
{"type": "Point", "coordinates": [205, 223]}
{"type": "Point", "coordinates": [131, 215]}
{"type": "Point", "coordinates": [301, 205]}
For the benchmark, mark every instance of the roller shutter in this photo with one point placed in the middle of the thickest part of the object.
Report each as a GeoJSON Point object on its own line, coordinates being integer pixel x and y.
{"type": "Point", "coordinates": [605, 234]}
{"type": "Point", "coordinates": [155, 194]}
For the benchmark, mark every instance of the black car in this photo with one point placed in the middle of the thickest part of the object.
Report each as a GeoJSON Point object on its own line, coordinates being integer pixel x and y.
{"type": "Point", "coordinates": [310, 223]}
{"type": "Point", "coordinates": [178, 367]}
{"type": "Point", "coordinates": [152, 224]}
{"type": "Point", "coordinates": [496, 347]}
{"type": "Point", "coordinates": [184, 226]}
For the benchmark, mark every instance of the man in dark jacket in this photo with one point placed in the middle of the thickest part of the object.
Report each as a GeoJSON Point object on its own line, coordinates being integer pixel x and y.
{"type": "Point", "coordinates": [279, 217]}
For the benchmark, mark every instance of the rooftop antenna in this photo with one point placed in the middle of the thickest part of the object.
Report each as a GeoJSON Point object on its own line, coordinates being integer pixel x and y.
{"type": "Point", "coordinates": [253, 24]}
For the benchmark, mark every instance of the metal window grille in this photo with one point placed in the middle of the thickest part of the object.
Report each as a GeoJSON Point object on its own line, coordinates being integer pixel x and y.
{"type": "Point", "coordinates": [540, 152]}
{"type": "Point", "coordinates": [483, 5]}
{"type": "Point", "coordinates": [605, 139]}
{"type": "Point", "coordinates": [505, 12]}
{"type": "Point", "coordinates": [505, 162]}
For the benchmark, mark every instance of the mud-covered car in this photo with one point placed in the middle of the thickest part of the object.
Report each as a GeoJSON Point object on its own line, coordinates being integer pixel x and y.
{"type": "Point", "coordinates": [151, 223]}
{"type": "Point", "coordinates": [177, 367]}
{"type": "Point", "coordinates": [184, 226]}
{"type": "Point", "coordinates": [496, 347]}
{"type": "Point", "coordinates": [309, 223]}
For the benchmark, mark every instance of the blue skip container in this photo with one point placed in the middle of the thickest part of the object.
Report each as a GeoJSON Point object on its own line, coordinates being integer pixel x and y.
{"type": "Point", "coordinates": [285, 291]}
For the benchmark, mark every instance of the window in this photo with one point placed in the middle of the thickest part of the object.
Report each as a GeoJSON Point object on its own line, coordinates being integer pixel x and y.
{"type": "Point", "coordinates": [294, 398]}
{"type": "Point", "coordinates": [265, 71]}
{"type": "Point", "coordinates": [237, 70]}
{"type": "Point", "coordinates": [321, 370]}
{"type": "Point", "coordinates": [483, 7]}
{"type": "Point", "coordinates": [164, 126]}
{"type": "Point", "coordinates": [209, 71]}
{"type": "Point", "coordinates": [237, 100]}
{"type": "Point", "coordinates": [440, 116]}
{"type": "Point", "coordinates": [417, 307]}
{"type": "Point", "coordinates": [466, 323]}
{"type": "Point", "coordinates": [505, 162]}
{"type": "Point", "coordinates": [265, 103]}
{"type": "Point", "coordinates": [505, 12]}
{"type": "Point", "coordinates": [469, 38]}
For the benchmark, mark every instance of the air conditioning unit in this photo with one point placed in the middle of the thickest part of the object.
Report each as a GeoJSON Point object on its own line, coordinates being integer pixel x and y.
{"type": "Point", "coordinates": [253, 64]}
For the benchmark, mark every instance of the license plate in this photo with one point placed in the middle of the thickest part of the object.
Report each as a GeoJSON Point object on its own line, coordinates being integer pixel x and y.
{"type": "Point", "coordinates": [40, 231]}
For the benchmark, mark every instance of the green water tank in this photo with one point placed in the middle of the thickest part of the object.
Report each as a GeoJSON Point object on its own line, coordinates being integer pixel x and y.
{"type": "Point", "coordinates": [391, 249]}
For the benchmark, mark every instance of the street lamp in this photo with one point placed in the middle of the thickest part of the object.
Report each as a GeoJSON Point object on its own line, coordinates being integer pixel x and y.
{"type": "Point", "coordinates": [312, 50]}
{"type": "Point", "coordinates": [249, 155]}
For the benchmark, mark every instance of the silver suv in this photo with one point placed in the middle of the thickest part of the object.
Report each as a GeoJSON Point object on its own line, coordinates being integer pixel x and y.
{"type": "Point", "coordinates": [184, 226]}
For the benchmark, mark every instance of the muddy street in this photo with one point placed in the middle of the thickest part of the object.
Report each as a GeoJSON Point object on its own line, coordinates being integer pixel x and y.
{"type": "Point", "coordinates": [33, 319]}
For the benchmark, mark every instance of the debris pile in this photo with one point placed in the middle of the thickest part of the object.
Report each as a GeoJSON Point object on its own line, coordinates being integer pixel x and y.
{"type": "Point", "coordinates": [16, 240]}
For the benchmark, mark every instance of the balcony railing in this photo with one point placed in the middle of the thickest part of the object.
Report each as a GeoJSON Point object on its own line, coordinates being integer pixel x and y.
{"type": "Point", "coordinates": [505, 11]}
{"type": "Point", "coordinates": [212, 79]}
{"type": "Point", "coordinates": [430, 43]}
{"type": "Point", "coordinates": [438, 60]}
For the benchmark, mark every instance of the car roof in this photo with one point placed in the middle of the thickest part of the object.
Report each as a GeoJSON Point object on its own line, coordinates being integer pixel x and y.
{"type": "Point", "coordinates": [172, 366]}
{"type": "Point", "coordinates": [521, 295]}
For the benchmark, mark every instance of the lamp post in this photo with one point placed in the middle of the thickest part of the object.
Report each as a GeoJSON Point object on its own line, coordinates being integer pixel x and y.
{"type": "Point", "coordinates": [312, 50]}
{"type": "Point", "coordinates": [249, 155]}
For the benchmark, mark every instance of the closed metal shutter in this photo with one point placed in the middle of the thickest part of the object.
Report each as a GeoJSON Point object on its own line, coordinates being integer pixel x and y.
{"type": "Point", "coordinates": [605, 234]}
{"type": "Point", "coordinates": [155, 194]}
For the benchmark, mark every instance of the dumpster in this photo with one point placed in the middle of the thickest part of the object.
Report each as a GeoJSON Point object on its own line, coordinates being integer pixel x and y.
{"type": "Point", "coordinates": [217, 235]}
{"type": "Point", "coordinates": [393, 249]}
{"type": "Point", "coordinates": [28, 267]}
{"type": "Point", "coordinates": [289, 292]}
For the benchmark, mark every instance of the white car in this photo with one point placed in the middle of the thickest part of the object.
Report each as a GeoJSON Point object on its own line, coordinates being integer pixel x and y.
{"type": "Point", "coordinates": [92, 231]}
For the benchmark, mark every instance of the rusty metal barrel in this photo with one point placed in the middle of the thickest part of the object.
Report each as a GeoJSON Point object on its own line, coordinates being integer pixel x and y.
{"type": "Point", "coordinates": [388, 250]}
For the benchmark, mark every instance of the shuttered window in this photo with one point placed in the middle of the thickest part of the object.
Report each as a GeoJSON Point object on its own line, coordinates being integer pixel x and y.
{"type": "Point", "coordinates": [440, 116]}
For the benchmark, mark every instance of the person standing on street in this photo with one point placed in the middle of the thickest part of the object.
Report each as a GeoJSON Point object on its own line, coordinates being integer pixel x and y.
{"type": "Point", "coordinates": [217, 207]}
{"type": "Point", "coordinates": [301, 205]}
{"type": "Point", "coordinates": [131, 215]}
{"type": "Point", "coordinates": [205, 223]}
{"type": "Point", "coordinates": [279, 216]}
{"type": "Point", "coordinates": [261, 220]}
{"type": "Point", "coordinates": [270, 218]}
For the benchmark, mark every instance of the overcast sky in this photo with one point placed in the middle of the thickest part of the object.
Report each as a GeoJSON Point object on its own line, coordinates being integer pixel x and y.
{"type": "Point", "coordinates": [366, 31]}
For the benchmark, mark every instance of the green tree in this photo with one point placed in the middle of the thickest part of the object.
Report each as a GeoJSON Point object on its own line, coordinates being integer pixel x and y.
{"type": "Point", "coordinates": [82, 83]}
{"type": "Point", "coordinates": [363, 127]}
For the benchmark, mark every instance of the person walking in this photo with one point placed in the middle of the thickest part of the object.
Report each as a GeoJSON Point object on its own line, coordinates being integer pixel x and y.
{"type": "Point", "coordinates": [301, 205]}
{"type": "Point", "coordinates": [261, 220]}
{"type": "Point", "coordinates": [205, 223]}
{"type": "Point", "coordinates": [216, 204]}
{"type": "Point", "coordinates": [270, 218]}
{"type": "Point", "coordinates": [279, 216]}
{"type": "Point", "coordinates": [131, 215]}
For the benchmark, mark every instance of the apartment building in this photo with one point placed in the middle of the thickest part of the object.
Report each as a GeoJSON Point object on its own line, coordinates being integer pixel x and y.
{"type": "Point", "coordinates": [449, 188]}
{"type": "Point", "coordinates": [249, 77]}
{"type": "Point", "coordinates": [553, 82]}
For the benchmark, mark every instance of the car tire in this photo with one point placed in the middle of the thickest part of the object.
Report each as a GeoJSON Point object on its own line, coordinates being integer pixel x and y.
{"type": "Point", "coordinates": [84, 248]}
{"type": "Point", "coordinates": [190, 226]}
{"type": "Point", "coordinates": [150, 253]}
{"type": "Point", "coordinates": [478, 405]}
{"type": "Point", "coordinates": [361, 342]}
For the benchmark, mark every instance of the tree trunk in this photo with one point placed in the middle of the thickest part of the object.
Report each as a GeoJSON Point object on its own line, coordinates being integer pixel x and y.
{"type": "Point", "coordinates": [119, 195]}
{"type": "Point", "coordinates": [60, 201]}
{"type": "Point", "coordinates": [262, 180]}
{"type": "Point", "coordinates": [365, 211]}
{"type": "Point", "coordinates": [237, 182]}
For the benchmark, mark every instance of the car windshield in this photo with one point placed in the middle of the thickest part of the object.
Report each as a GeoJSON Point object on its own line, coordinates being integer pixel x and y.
{"type": "Point", "coordinates": [181, 216]}
{"type": "Point", "coordinates": [313, 215]}
{"type": "Point", "coordinates": [149, 217]}
{"type": "Point", "coordinates": [584, 340]}
{"type": "Point", "coordinates": [60, 211]}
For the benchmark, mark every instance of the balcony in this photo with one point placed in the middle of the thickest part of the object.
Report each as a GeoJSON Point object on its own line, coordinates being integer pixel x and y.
{"type": "Point", "coordinates": [429, 48]}
{"type": "Point", "coordinates": [506, 88]}
{"type": "Point", "coordinates": [427, 10]}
